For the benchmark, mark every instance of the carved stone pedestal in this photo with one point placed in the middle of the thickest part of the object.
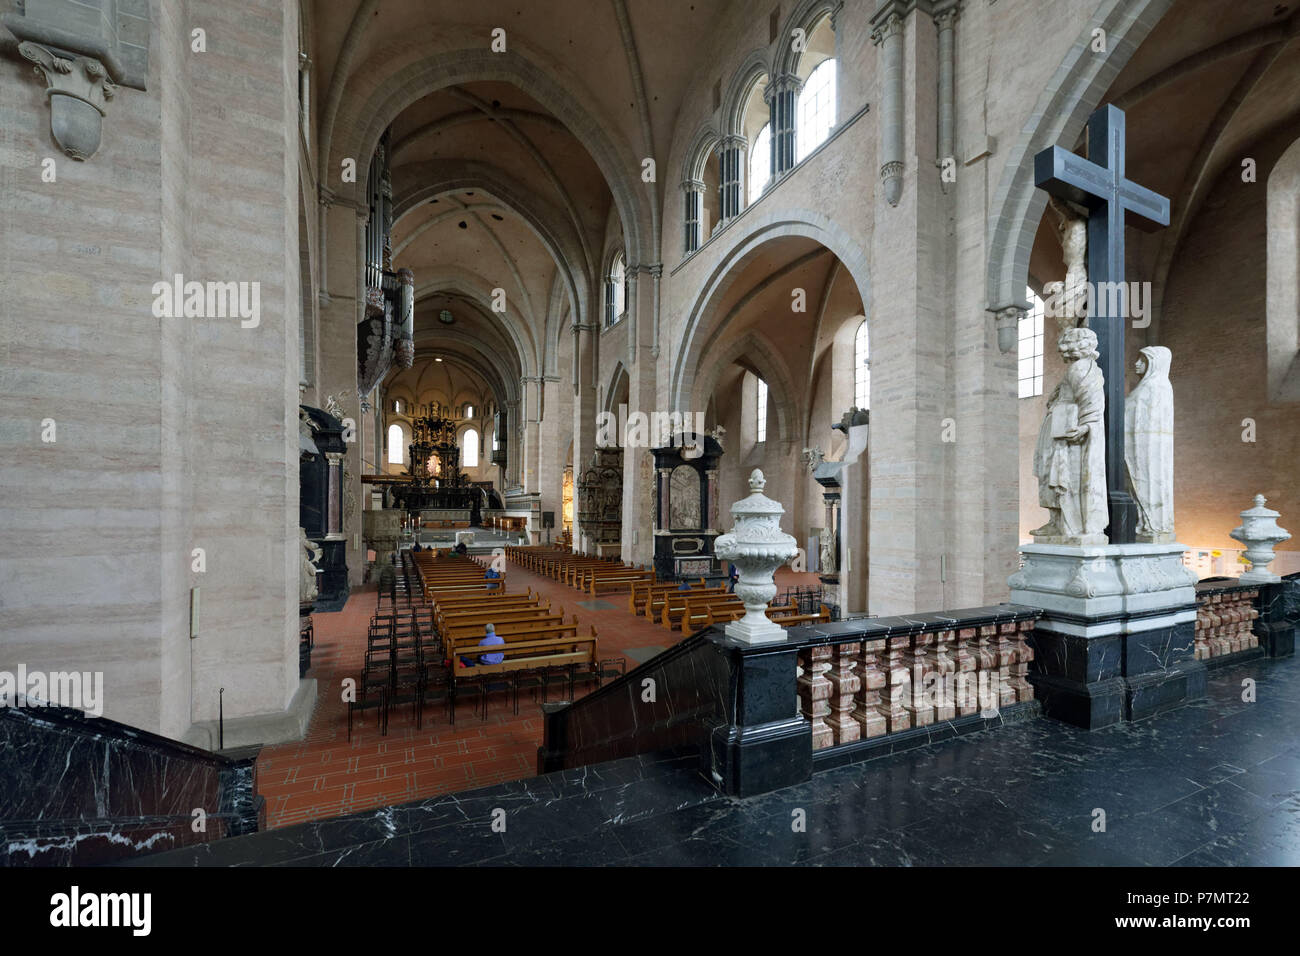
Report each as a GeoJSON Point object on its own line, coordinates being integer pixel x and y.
{"type": "Point", "coordinates": [1117, 637]}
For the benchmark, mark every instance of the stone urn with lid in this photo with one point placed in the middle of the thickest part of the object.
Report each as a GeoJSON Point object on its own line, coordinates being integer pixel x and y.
{"type": "Point", "coordinates": [1259, 532]}
{"type": "Point", "coordinates": [757, 546]}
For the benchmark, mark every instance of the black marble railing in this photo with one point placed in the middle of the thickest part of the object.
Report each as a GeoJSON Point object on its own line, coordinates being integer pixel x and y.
{"type": "Point", "coordinates": [82, 790]}
{"type": "Point", "coordinates": [756, 714]}
{"type": "Point", "coordinates": [669, 703]}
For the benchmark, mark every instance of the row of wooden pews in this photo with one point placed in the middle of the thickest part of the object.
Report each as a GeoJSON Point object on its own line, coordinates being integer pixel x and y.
{"type": "Point", "coordinates": [702, 606]}
{"type": "Point", "coordinates": [541, 648]}
{"type": "Point", "coordinates": [427, 649]}
{"type": "Point", "coordinates": [588, 574]}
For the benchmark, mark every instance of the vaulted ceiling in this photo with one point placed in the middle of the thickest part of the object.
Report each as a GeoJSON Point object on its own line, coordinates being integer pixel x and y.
{"type": "Point", "coordinates": [493, 190]}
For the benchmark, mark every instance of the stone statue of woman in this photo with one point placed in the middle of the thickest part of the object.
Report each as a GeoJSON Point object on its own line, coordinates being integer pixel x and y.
{"type": "Point", "coordinates": [1149, 446]}
{"type": "Point", "coordinates": [1070, 457]}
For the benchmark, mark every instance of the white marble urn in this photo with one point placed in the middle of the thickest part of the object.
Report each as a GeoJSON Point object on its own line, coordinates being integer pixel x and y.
{"type": "Point", "coordinates": [757, 546]}
{"type": "Point", "coordinates": [1259, 532]}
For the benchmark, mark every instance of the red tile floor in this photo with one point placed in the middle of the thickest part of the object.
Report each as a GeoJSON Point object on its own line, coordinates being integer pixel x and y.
{"type": "Point", "coordinates": [325, 775]}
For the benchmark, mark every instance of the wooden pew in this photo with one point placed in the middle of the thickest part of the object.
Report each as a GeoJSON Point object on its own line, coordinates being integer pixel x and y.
{"type": "Point", "coordinates": [595, 580]}
{"type": "Point", "coordinates": [654, 606]}
{"type": "Point", "coordinates": [642, 591]}
{"type": "Point", "coordinates": [676, 608]}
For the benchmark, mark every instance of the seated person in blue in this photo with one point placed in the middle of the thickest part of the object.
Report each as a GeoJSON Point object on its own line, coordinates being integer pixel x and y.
{"type": "Point", "coordinates": [684, 586]}
{"type": "Point", "coordinates": [492, 575]}
{"type": "Point", "coordinates": [489, 638]}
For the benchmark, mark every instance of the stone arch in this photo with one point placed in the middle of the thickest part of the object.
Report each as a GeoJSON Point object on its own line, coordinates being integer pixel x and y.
{"type": "Point", "coordinates": [704, 140]}
{"type": "Point", "coordinates": [1282, 275]}
{"type": "Point", "coordinates": [397, 81]}
{"type": "Point", "coordinates": [805, 15]}
{"type": "Point", "coordinates": [753, 352]}
{"type": "Point", "coordinates": [545, 223]}
{"type": "Point", "coordinates": [618, 380]}
{"type": "Point", "coordinates": [1058, 116]}
{"type": "Point", "coordinates": [479, 291]}
{"type": "Point", "coordinates": [755, 64]}
{"type": "Point", "coordinates": [774, 224]}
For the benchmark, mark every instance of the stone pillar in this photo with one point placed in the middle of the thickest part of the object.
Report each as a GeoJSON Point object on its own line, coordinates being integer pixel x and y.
{"type": "Point", "coordinates": [945, 17]}
{"type": "Point", "coordinates": [731, 175]}
{"type": "Point", "coordinates": [782, 96]}
{"type": "Point", "coordinates": [693, 191]}
{"type": "Point", "coordinates": [888, 36]}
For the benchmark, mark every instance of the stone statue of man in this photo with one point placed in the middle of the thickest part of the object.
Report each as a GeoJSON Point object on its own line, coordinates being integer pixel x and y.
{"type": "Point", "coordinates": [1070, 457]}
{"type": "Point", "coordinates": [1149, 446]}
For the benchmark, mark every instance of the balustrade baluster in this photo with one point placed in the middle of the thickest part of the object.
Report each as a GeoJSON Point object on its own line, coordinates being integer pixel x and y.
{"type": "Point", "coordinates": [815, 692]}
{"type": "Point", "coordinates": [844, 684]}
{"type": "Point", "coordinates": [869, 711]}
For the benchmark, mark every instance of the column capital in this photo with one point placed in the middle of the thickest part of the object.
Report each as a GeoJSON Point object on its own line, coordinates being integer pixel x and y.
{"type": "Point", "coordinates": [785, 83]}
{"type": "Point", "coordinates": [887, 27]}
{"type": "Point", "coordinates": [944, 13]}
{"type": "Point", "coordinates": [732, 141]}
{"type": "Point", "coordinates": [693, 185]}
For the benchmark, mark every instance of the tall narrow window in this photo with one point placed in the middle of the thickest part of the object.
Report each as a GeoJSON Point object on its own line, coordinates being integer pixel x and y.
{"type": "Point", "coordinates": [1031, 347]}
{"type": "Point", "coordinates": [396, 450]}
{"type": "Point", "coordinates": [760, 162]}
{"type": "Point", "coordinates": [762, 410]}
{"type": "Point", "coordinates": [861, 368]}
{"type": "Point", "coordinates": [469, 411]}
{"type": "Point", "coordinates": [616, 291]}
{"type": "Point", "coordinates": [469, 449]}
{"type": "Point", "coordinates": [816, 113]}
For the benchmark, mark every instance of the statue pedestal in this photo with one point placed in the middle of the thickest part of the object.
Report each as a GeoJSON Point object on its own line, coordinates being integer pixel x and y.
{"type": "Point", "coordinates": [1116, 640]}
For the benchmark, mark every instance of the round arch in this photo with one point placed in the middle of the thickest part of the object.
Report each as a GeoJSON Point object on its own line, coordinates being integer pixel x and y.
{"type": "Point", "coordinates": [1058, 116]}
{"type": "Point", "coordinates": [755, 64]}
{"type": "Point", "coordinates": [703, 315]}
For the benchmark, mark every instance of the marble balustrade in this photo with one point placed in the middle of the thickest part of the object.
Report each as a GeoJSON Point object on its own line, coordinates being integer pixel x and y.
{"type": "Point", "coordinates": [937, 670]}
{"type": "Point", "coordinates": [1225, 619]}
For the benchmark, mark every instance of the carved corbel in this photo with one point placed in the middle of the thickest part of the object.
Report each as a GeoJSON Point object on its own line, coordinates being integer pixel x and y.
{"type": "Point", "coordinates": [84, 51]}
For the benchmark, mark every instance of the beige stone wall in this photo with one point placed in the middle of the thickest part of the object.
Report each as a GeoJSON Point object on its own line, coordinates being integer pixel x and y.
{"type": "Point", "coordinates": [173, 434]}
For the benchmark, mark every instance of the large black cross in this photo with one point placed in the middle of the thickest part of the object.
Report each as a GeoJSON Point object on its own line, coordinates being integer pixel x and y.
{"type": "Point", "coordinates": [1098, 183]}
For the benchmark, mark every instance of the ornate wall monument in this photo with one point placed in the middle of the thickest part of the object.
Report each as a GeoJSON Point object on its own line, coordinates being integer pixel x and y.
{"type": "Point", "coordinates": [686, 506]}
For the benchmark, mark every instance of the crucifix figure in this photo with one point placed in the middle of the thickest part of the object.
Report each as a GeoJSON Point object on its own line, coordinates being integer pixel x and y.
{"type": "Point", "coordinates": [1099, 184]}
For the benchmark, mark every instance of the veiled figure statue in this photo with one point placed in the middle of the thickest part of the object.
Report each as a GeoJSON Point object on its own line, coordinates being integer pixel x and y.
{"type": "Point", "coordinates": [1149, 446]}
{"type": "Point", "coordinates": [1070, 457]}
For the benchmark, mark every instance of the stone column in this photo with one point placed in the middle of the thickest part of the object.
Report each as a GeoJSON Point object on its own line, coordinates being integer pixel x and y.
{"type": "Point", "coordinates": [945, 17]}
{"type": "Point", "coordinates": [782, 95]}
{"type": "Point", "coordinates": [693, 190]}
{"type": "Point", "coordinates": [731, 175]}
{"type": "Point", "coordinates": [888, 35]}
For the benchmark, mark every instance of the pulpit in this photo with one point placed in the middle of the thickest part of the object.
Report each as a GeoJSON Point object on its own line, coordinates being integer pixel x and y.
{"type": "Point", "coordinates": [686, 506]}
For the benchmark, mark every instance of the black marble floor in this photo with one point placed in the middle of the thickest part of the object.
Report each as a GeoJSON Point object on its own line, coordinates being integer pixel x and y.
{"type": "Point", "coordinates": [1215, 783]}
